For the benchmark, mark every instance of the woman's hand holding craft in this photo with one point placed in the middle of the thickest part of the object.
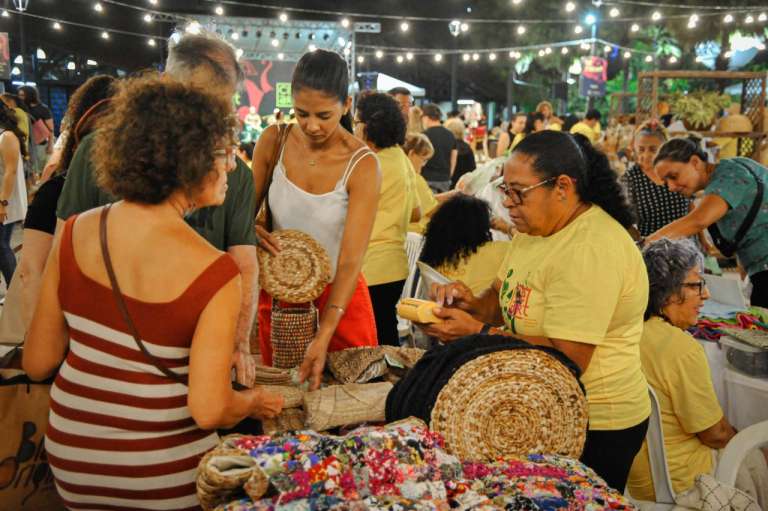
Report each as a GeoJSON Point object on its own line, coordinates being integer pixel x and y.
{"type": "Point", "coordinates": [456, 324]}
{"type": "Point", "coordinates": [266, 240]}
{"type": "Point", "coordinates": [314, 362]}
{"type": "Point", "coordinates": [456, 294]}
{"type": "Point", "coordinates": [268, 405]}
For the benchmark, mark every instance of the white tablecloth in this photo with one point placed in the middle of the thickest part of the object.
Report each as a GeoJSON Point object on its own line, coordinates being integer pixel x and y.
{"type": "Point", "coordinates": [744, 399]}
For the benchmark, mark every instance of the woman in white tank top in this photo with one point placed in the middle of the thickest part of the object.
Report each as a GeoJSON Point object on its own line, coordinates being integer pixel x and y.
{"type": "Point", "coordinates": [326, 183]}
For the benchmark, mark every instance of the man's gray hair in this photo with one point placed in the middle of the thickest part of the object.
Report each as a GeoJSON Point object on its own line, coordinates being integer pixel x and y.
{"type": "Point", "coordinates": [668, 263]}
{"type": "Point", "coordinates": [204, 49]}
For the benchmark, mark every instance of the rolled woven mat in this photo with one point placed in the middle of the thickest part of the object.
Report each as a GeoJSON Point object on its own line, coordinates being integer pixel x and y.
{"type": "Point", "coordinates": [360, 365]}
{"type": "Point", "coordinates": [299, 272]}
{"type": "Point", "coordinates": [345, 405]}
{"type": "Point", "coordinates": [293, 397]}
{"type": "Point", "coordinates": [511, 403]}
{"type": "Point", "coordinates": [266, 375]}
{"type": "Point", "coordinates": [292, 419]}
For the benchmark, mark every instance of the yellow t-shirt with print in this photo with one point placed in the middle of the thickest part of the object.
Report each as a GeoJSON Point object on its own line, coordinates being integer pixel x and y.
{"type": "Point", "coordinates": [385, 260]}
{"type": "Point", "coordinates": [675, 365]}
{"type": "Point", "coordinates": [426, 201]}
{"type": "Point", "coordinates": [586, 283]}
{"type": "Point", "coordinates": [479, 270]}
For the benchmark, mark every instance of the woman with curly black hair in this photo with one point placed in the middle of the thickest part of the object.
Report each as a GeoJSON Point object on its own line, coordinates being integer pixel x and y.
{"type": "Point", "coordinates": [458, 242]}
{"type": "Point", "coordinates": [380, 124]}
{"type": "Point", "coordinates": [574, 280]}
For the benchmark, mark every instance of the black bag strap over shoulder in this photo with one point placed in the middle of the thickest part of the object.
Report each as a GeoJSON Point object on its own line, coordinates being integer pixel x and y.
{"type": "Point", "coordinates": [728, 248]}
{"type": "Point", "coordinates": [124, 309]}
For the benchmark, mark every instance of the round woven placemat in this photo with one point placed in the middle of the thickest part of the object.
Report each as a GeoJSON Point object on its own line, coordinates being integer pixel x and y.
{"type": "Point", "coordinates": [512, 402]}
{"type": "Point", "coordinates": [299, 272]}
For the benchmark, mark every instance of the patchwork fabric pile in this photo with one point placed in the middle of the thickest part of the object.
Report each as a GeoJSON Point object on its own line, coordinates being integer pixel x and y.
{"type": "Point", "coordinates": [400, 466]}
{"type": "Point", "coordinates": [711, 328]}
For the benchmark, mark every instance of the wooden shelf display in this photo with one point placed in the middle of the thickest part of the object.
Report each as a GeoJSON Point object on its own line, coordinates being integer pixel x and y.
{"type": "Point", "coordinates": [753, 96]}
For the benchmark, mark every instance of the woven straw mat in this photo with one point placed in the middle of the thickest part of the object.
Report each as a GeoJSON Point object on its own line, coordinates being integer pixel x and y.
{"type": "Point", "coordinates": [511, 403]}
{"type": "Point", "coordinates": [346, 405]}
{"type": "Point", "coordinates": [299, 272]}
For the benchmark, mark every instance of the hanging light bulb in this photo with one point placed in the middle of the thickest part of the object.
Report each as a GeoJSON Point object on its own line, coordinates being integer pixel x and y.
{"type": "Point", "coordinates": [728, 18]}
{"type": "Point", "coordinates": [438, 57]}
{"type": "Point", "coordinates": [379, 54]}
{"type": "Point", "coordinates": [347, 52]}
{"type": "Point", "coordinates": [590, 20]}
{"type": "Point", "coordinates": [548, 51]}
{"type": "Point", "coordinates": [728, 54]}
{"type": "Point", "coordinates": [40, 53]}
{"type": "Point", "coordinates": [399, 59]}
{"type": "Point", "coordinates": [649, 58]}
{"type": "Point", "coordinates": [673, 60]}
{"type": "Point", "coordinates": [763, 17]}
{"type": "Point", "coordinates": [360, 59]}
{"type": "Point", "coordinates": [280, 56]}
{"type": "Point", "coordinates": [275, 43]}
{"type": "Point", "coordinates": [635, 27]}
{"type": "Point", "coordinates": [312, 47]}
{"type": "Point", "coordinates": [564, 51]}
{"type": "Point", "coordinates": [219, 10]}
{"type": "Point", "coordinates": [409, 56]}
{"type": "Point", "coordinates": [541, 53]}
{"type": "Point", "coordinates": [56, 25]}
{"type": "Point", "coordinates": [464, 27]}
{"type": "Point", "coordinates": [151, 42]}
{"type": "Point", "coordinates": [614, 13]}
{"type": "Point", "coordinates": [404, 26]}
{"type": "Point", "coordinates": [656, 16]}
{"type": "Point", "coordinates": [521, 30]}
{"type": "Point", "coordinates": [607, 48]}
{"type": "Point", "coordinates": [15, 71]}
{"type": "Point", "coordinates": [578, 29]}
{"type": "Point", "coordinates": [749, 19]}
{"type": "Point", "coordinates": [18, 60]}
{"type": "Point", "coordinates": [153, 2]}
{"type": "Point", "coordinates": [345, 22]}
{"type": "Point", "coordinates": [148, 18]}
{"type": "Point", "coordinates": [627, 54]}
{"type": "Point", "coordinates": [283, 17]}
{"type": "Point", "coordinates": [465, 57]}
{"type": "Point", "coordinates": [570, 7]}
{"type": "Point", "coordinates": [475, 57]}
{"type": "Point", "coordinates": [71, 66]}
{"type": "Point", "coordinates": [491, 57]}
{"type": "Point", "coordinates": [235, 35]}
{"type": "Point", "coordinates": [5, 13]}
{"type": "Point", "coordinates": [98, 7]}
{"type": "Point", "coordinates": [105, 35]}
{"type": "Point", "coordinates": [512, 55]}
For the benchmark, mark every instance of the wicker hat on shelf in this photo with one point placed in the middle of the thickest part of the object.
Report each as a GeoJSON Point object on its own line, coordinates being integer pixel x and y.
{"type": "Point", "coordinates": [511, 403]}
{"type": "Point", "coordinates": [299, 272]}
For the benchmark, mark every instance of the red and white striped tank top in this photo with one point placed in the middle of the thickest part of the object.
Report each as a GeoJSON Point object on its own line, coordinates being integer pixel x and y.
{"type": "Point", "coordinates": [120, 434]}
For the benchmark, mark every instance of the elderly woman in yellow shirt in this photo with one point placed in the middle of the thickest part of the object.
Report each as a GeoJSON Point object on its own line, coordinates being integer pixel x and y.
{"type": "Point", "coordinates": [379, 122]}
{"type": "Point", "coordinates": [574, 280]}
{"type": "Point", "coordinates": [675, 365]}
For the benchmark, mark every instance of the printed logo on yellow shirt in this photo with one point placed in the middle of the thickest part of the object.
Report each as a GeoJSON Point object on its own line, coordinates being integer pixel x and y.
{"type": "Point", "coordinates": [517, 299]}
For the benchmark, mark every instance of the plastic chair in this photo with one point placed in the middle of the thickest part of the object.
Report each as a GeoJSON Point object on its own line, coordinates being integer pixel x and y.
{"type": "Point", "coordinates": [657, 454]}
{"type": "Point", "coordinates": [413, 244]}
{"type": "Point", "coordinates": [737, 449]}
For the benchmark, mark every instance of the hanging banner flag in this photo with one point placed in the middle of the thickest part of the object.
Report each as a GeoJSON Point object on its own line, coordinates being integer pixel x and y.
{"type": "Point", "coordinates": [593, 77]}
{"type": "Point", "coordinates": [5, 57]}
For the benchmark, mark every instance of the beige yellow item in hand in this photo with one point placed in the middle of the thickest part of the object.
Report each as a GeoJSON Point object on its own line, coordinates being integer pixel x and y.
{"type": "Point", "coordinates": [418, 311]}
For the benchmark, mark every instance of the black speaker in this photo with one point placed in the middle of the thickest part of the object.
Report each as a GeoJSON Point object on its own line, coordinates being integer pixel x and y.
{"type": "Point", "coordinates": [560, 91]}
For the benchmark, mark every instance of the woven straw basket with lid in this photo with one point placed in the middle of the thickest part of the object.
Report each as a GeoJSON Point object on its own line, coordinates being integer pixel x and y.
{"type": "Point", "coordinates": [299, 272]}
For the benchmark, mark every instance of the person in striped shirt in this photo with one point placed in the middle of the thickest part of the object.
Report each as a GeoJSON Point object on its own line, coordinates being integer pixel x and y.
{"type": "Point", "coordinates": [123, 433]}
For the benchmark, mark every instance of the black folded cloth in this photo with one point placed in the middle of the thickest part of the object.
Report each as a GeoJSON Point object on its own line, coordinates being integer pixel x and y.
{"type": "Point", "coordinates": [416, 393]}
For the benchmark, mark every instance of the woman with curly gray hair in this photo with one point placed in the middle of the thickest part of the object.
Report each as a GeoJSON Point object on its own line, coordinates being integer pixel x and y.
{"type": "Point", "coordinates": [675, 365]}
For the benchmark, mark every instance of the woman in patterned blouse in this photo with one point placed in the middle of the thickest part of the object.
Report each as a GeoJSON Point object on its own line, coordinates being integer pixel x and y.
{"type": "Point", "coordinates": [655, 206]}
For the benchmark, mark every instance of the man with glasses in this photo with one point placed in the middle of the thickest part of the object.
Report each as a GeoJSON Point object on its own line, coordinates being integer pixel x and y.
{"type": "Point", "coordinates": [206, 61]}
{"type": "Point", "coordinates": [403, 98]}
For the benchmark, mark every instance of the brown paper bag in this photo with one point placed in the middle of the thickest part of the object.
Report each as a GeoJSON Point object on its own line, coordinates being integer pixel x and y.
{"type": "Point", "coordinates": [26, 481]}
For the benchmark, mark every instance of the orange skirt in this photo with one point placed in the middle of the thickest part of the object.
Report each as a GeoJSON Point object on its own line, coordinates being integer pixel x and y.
{"type": "Point", "coordinates": [356, 328]}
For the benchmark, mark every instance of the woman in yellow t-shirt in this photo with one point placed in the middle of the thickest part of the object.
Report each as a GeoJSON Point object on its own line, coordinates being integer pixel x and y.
{"type": "Point", "coordinates": [380, 124]}
{"type": "Point", "coordinates": [458, 243]}
{"type": "Point", "coordinates": [574, 280]}
{"type": "Point", "coordinates": [675, 365]}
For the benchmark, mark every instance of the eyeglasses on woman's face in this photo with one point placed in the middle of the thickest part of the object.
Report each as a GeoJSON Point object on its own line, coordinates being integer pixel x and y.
{"type": "Point", "coordinates": [700, 286]}
{"type": "Point", "coordinates": [517, 196]}
{"type": "Point", "coordinates": [228, 154]}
